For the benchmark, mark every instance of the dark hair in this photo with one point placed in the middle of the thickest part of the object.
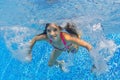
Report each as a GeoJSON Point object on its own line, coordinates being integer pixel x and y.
{"type": "Point", "coordinates": [45, 31]}
{"type": "Point", "coordinates": [71, 28]}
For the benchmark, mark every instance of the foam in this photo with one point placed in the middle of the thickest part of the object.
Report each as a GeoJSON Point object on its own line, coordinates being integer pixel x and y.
{"type": "Point", "coordinates": [103, 51]}
{"type": "Point", "coordinates": [17, 41]}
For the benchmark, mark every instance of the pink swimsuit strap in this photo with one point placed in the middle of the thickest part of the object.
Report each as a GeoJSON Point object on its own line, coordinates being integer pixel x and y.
{"type": "Point", "coordinates": [63, 40]}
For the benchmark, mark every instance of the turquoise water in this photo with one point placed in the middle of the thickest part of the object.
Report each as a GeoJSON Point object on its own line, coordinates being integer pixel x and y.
{"type": "Point", "coordinates": [21, 20]}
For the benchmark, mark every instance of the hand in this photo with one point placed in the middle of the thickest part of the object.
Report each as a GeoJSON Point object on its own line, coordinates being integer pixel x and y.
{"type": "Point", "coordinates": [29, 51]}
{"type": "Point", "coordinates": [28, 58]}
{"type": "Point", "coordinates": [89, 47]}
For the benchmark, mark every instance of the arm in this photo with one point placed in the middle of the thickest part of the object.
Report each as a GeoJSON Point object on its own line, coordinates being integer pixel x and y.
{"type": "Point", "coordinates": [77, 41]}
{"type": "Point", "coordinates": [36, 38]}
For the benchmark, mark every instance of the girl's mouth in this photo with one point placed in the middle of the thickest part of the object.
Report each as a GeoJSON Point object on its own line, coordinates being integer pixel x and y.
{"type": "Point", "coordinates": [54, 37]}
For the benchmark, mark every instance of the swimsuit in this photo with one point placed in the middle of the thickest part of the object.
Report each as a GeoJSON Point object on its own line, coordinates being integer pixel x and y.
{"type": "Point", "coordinates": [66, 48]}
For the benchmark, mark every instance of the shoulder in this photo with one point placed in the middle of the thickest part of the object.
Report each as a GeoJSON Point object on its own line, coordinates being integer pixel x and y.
{"type": "Point", "coordinates": [67, 36]}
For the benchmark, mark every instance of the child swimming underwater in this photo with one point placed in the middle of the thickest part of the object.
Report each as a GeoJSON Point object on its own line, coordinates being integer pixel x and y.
{"type": "Point", "coordinates": [61, 41]}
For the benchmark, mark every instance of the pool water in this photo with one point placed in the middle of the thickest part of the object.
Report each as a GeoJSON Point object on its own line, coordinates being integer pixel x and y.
{"type": "Point", "coordinates": [20, 21]}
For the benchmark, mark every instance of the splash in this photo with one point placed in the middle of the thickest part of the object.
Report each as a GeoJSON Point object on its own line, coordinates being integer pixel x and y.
{"type": "Point", "coordinates": [103, 50]}
{"type": "Point", "coordinates": [17, 41]}
{"type": "Point", "coordinates": [69, 62]}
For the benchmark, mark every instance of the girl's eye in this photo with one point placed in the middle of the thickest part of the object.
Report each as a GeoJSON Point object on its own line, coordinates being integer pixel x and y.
{"type": "Point", "coordinates": [55, 29]}
{"type": "Point", "coordinates": [48, 30]}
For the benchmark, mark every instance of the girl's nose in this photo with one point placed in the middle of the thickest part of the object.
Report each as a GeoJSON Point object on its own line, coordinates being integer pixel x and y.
{"type": "Point", "coordinates": [52, 33]}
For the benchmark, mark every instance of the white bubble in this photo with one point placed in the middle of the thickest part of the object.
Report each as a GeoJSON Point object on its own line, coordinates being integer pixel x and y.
{"type": "Point", "coordinates": [97, 27]}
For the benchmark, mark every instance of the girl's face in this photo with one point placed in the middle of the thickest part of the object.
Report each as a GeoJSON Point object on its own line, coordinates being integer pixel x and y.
{"type": "Point", "coordinates": [53, 32]}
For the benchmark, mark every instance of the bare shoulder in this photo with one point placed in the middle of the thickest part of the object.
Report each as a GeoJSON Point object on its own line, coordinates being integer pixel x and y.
{"type": "Point", "coordinates": [67, 36]}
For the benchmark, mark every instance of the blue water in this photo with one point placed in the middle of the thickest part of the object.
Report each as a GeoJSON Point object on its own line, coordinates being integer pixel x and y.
{"type": "Point", "coordinates": [21, 20]}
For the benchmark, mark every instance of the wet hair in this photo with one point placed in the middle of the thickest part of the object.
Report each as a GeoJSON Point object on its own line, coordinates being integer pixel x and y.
{"type": "Point", "coordinates": [70, 28]}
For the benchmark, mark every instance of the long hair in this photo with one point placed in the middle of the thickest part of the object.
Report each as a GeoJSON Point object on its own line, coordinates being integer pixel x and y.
{"type": "Point", "coordinates": [71, 28]}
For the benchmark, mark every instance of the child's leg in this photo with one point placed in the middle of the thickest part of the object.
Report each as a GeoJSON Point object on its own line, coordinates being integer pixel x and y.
{"type": "Point", "coordinates": [55, 54]}
{"type": "Point", "coordinates": [53, 60]}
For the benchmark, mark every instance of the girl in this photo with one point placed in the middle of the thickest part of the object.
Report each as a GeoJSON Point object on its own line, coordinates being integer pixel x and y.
{"type": "Point", "coordinates": [61, 41]}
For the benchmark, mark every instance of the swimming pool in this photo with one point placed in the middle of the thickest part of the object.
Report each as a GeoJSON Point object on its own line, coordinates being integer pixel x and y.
{"type": "Point", "coordinates": [20, 20]}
